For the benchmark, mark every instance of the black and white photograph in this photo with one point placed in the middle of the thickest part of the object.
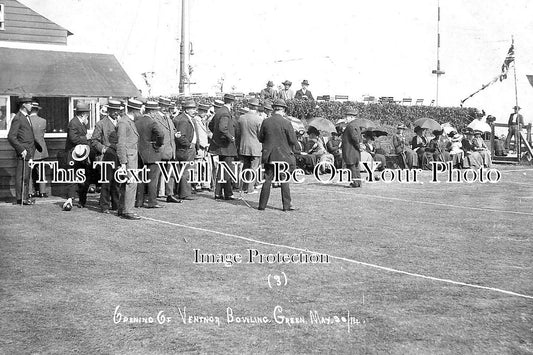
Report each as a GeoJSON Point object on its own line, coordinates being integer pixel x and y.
{"type": "Point", "coordinates": [281, 177]}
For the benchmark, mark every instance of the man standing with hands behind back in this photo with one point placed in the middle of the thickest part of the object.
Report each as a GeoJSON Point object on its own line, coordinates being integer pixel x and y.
{"type": "Point", "coordinates": [351, 150]}
{"type": "Point", "coordinates": [278, 138]}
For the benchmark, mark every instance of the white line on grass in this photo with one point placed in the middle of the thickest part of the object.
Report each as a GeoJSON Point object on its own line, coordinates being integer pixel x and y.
{"type": "Point", "coordinates": [429, 203]}
{"type": "Point", "coordinates": [339, 258]}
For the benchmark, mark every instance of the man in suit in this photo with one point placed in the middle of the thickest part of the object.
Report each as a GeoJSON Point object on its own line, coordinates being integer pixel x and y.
{"type": "Point", "coordinates": [269, 93]}
{"type": "Point", "coordinates": [39, 128]}
{"type": "Point", "coordinates": [100, 142]}
{"type": "Point", "coordinates": [127, 151]}
{"type": "Point", "coordinates": [351, 150]}
{"type": "Point", "coordinates": [151, 137]}
{"type": "Point", "coordinates": [21, 138]}
{"type": "Point", "coordinates": [225, 130]}
{"type": "Point", "coordinates": [168, 149]}
{"type": "Point", "coordinates": [279, 139]}
{"type": "Point", "coordinates": [286, 93]}
{"type": "Point", "coordinates": [516, 121]}
{"type": "Point", "coordinates": [304, 93]}
{"type": "Point", "coordinates": [249, 145]}
{"type": "Point", "coordinates": [186, 142]}
{"type": "Point", "coordinates": [77, 136]}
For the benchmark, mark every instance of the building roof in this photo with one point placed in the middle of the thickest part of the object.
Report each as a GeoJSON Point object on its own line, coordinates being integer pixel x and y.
{"type": "Point", "coordinates": [54, 73]}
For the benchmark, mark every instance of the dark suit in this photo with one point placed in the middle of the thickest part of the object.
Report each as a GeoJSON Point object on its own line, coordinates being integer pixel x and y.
{"type": "Point", "coordinates": [514, 120]}
{"type": "Point", "coordinates": [279, 139]}
{"type": "Point", "coordinates": [225, 130]}
{"type": "Point", "coordinates": [185, 150]}
{"type": "Point", "coordinates": [100, 140]}
{"type": "Point", "coordinates": [39, 128]}
{"type": "Point", "coordinates": [77, 134]}
{"type": "Point", "coordinates": [351, 151]}
{"type": "Point", "coordinates": [300, 95]}
{"type": "Point", "coordinates": [168, 149]}
{"type": "Point", "coordinates": [151, 138]}
{"type": "Point", "coordinates": [127, 151]}
{"type": "Point", "coordinates": [21, 138]}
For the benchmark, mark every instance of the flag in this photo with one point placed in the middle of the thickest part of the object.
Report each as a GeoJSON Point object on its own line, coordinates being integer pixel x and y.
{"type": "Point", "coordinates": [530, 78]}
{"type": "Point", "coordinates": [507, 62]}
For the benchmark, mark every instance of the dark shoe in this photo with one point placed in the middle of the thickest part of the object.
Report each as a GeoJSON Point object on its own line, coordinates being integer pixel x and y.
{"type": "Point", "coordinates": [355, 184]}
{"type": "Point", "coordinates": [132, 216]}
{"type": "Point", "coordinates": [105, 211]}
{"type": "Point", "coordinates": [173, 199]}
{"type": "Point", "coordinates": [219, 197]}
{"type": "Point", "coordinates": [291, 208]}
{"type": "Point", "coordinates": [188, 198]}
{"type": "Point", "coordinates": [153, 206]}
{"type": "Point", "coordinates": [260, 208]}
{"type": "Point", "coordinates": [119, 213]}
{"type": "Point", "coordinates": [229, 198]}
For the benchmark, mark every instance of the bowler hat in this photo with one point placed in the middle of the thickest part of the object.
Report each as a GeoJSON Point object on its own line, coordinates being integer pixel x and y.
{"type": "Point", "coordinates": [287, 82]}
{"type": "Point", "coordinates": [114, 105]}
{"type": "Point", "coordinates": [134, 104]}
{"type": "Point", "coordinates": [229, 97]}
{"type": "Point", "coordinates": [305, 82]}
{"type": "Point", "coordinates": [351, 112]}
{"type": "Point", "coordinates": [152, 105]}
{"type": "Point", "coordinates": [203, 107]}
{"type": "Point", "coordinates": [253, 102]}
{"type": "Point", "coordinates": [24, 99]}
{"type": "Point", "coordinates": [82, 107]}
{"type": "Point", "coordinates": [35, 105]}
{"type": "Point", "coordinates": [279, 103]}
{"type": "Point", "coordinates": [164, 101]}
{"type": "Point", "coordinates": [188, 104]}
{"type": "Point", "coordinates": [218, 103]}
{"type": "Point", "coordinates": [267, 106]}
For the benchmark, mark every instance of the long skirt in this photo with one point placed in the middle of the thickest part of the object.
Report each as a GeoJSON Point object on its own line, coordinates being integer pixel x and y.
{"type": "Point", "coordinates": [485, 156]}
{"type": "Point", "coordinates": [472, 160]}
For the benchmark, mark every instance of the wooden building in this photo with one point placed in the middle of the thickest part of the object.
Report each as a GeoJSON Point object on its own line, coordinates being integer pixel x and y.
{"type": "Point", "coordinates": [34, 60]}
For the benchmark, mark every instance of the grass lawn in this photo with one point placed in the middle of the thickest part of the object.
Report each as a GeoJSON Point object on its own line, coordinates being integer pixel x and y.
{"type": "Point", "coordinates": [398, 255]}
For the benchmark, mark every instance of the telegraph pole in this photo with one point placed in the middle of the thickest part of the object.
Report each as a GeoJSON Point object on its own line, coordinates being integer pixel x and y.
{"type": "Point", "coordinates": [184, 85]}
{"type": "Point", "coordinates": [438, 72]}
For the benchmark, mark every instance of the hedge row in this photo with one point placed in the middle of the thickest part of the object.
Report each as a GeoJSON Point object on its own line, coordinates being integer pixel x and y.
{"type": "Point", "coordinates": [383, 114]}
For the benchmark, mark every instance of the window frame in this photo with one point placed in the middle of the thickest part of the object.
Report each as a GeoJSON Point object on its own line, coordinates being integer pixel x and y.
{"type": "Point", "coordinates": [4, 132]}
{"type": "Point", "coordinates": [2, 17]}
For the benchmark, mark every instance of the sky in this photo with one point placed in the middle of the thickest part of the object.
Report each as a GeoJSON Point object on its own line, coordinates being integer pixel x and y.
{"type": "Point", "coordinates": [355, 48]}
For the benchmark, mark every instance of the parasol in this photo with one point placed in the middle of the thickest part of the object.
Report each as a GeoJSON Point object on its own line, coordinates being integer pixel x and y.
{"type": "Point", "coordinates": [428, 123]}
{"type": "Point", "coordinates": [322, 124]}
{"type": "Point", "coordinates": [364, 123]}
{"type": "Point", "coordinates": [479, 125]}
{"type": "Point", "coordinates": [297, 124]}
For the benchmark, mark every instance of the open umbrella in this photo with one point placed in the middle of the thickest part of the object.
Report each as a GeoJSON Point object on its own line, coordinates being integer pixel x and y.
{"type": "Point", "coordinates": [375, 132]}
{"type": "Point", "coordinates": [479, 125]}
{"type": "Point", "coordinates": [448, 128]}
{"type": "Point", "coordinates": [297, 124]}
{"type": "Point", "coordinates": [322, 124]}
{"type": "Point", "coordinates": [364, 123]}
{"type": "Point", "coordinates": [428, 123]}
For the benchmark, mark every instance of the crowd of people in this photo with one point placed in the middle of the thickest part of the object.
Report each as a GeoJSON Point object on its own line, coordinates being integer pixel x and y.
{"type": "Point", "coordinates": [137, 133]}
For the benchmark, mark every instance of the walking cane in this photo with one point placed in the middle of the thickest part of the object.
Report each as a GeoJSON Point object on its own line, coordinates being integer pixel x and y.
{"type": "Point", "coordinates": [23, 174]}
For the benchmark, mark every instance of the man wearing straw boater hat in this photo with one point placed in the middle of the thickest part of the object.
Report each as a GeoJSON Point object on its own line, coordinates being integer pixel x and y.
{"type": "Point", "coordinates": [151, 138]}
{"type": "Point", "coordinates": [279, 139]}
{"type": "Point", "coordinates": [77, 153]}
{"type": "Point", "coordinates": [22, 139]}
{"type": "Point", "coordinates": [127, 151]}
{"type": "Point", "coordinates": [101, 143]}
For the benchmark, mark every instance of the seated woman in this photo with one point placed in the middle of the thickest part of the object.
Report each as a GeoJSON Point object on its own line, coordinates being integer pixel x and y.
{"type": "Point", "coordinates": [303, 160]}
{"type": "Point", "coordinates": [333, 146]}
{"type": "Point", "coordinates": [455, 149]}
{"type": "Point", "coordinates": [399, 141]}
{"type": "Point", "coordinates": [481, 148]}
{"type": "Point", "coordinates": [419, 144]}
{"type": "Point", "coordinates": [437, 146]}
{"type": "Point", "coordinates": [315, 147]}
{"type": "Point", "coordinates": [368, 146]}
{"type": "Point", "coordinates": [472, 158]}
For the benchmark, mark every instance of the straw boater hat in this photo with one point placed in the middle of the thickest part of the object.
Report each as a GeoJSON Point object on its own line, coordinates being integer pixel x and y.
{"type": "Point", "coordinates": [203, 107]}
{"type": "Point", "coordinates": [81, 152]}
{"type": "Point", "coordinates": [152, 105]}
{"type": "Point", "coordinates": [164, 101]}
{"type": "Point", "coordinates": [218, 103]}
{"type": "Point", "coordinates": [134, 104]}
{"type": "Point", "coordinates": [114, 105]}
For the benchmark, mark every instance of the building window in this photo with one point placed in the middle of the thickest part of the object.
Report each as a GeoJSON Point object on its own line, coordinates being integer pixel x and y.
{"type": "Point", "coordinates": [5, 112]}
{"type": "Point", "coordinates": [2, 7]}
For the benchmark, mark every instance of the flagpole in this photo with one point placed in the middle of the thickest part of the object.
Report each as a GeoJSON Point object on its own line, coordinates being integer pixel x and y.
{"type": "Point", "coordinates": [518, 139]}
